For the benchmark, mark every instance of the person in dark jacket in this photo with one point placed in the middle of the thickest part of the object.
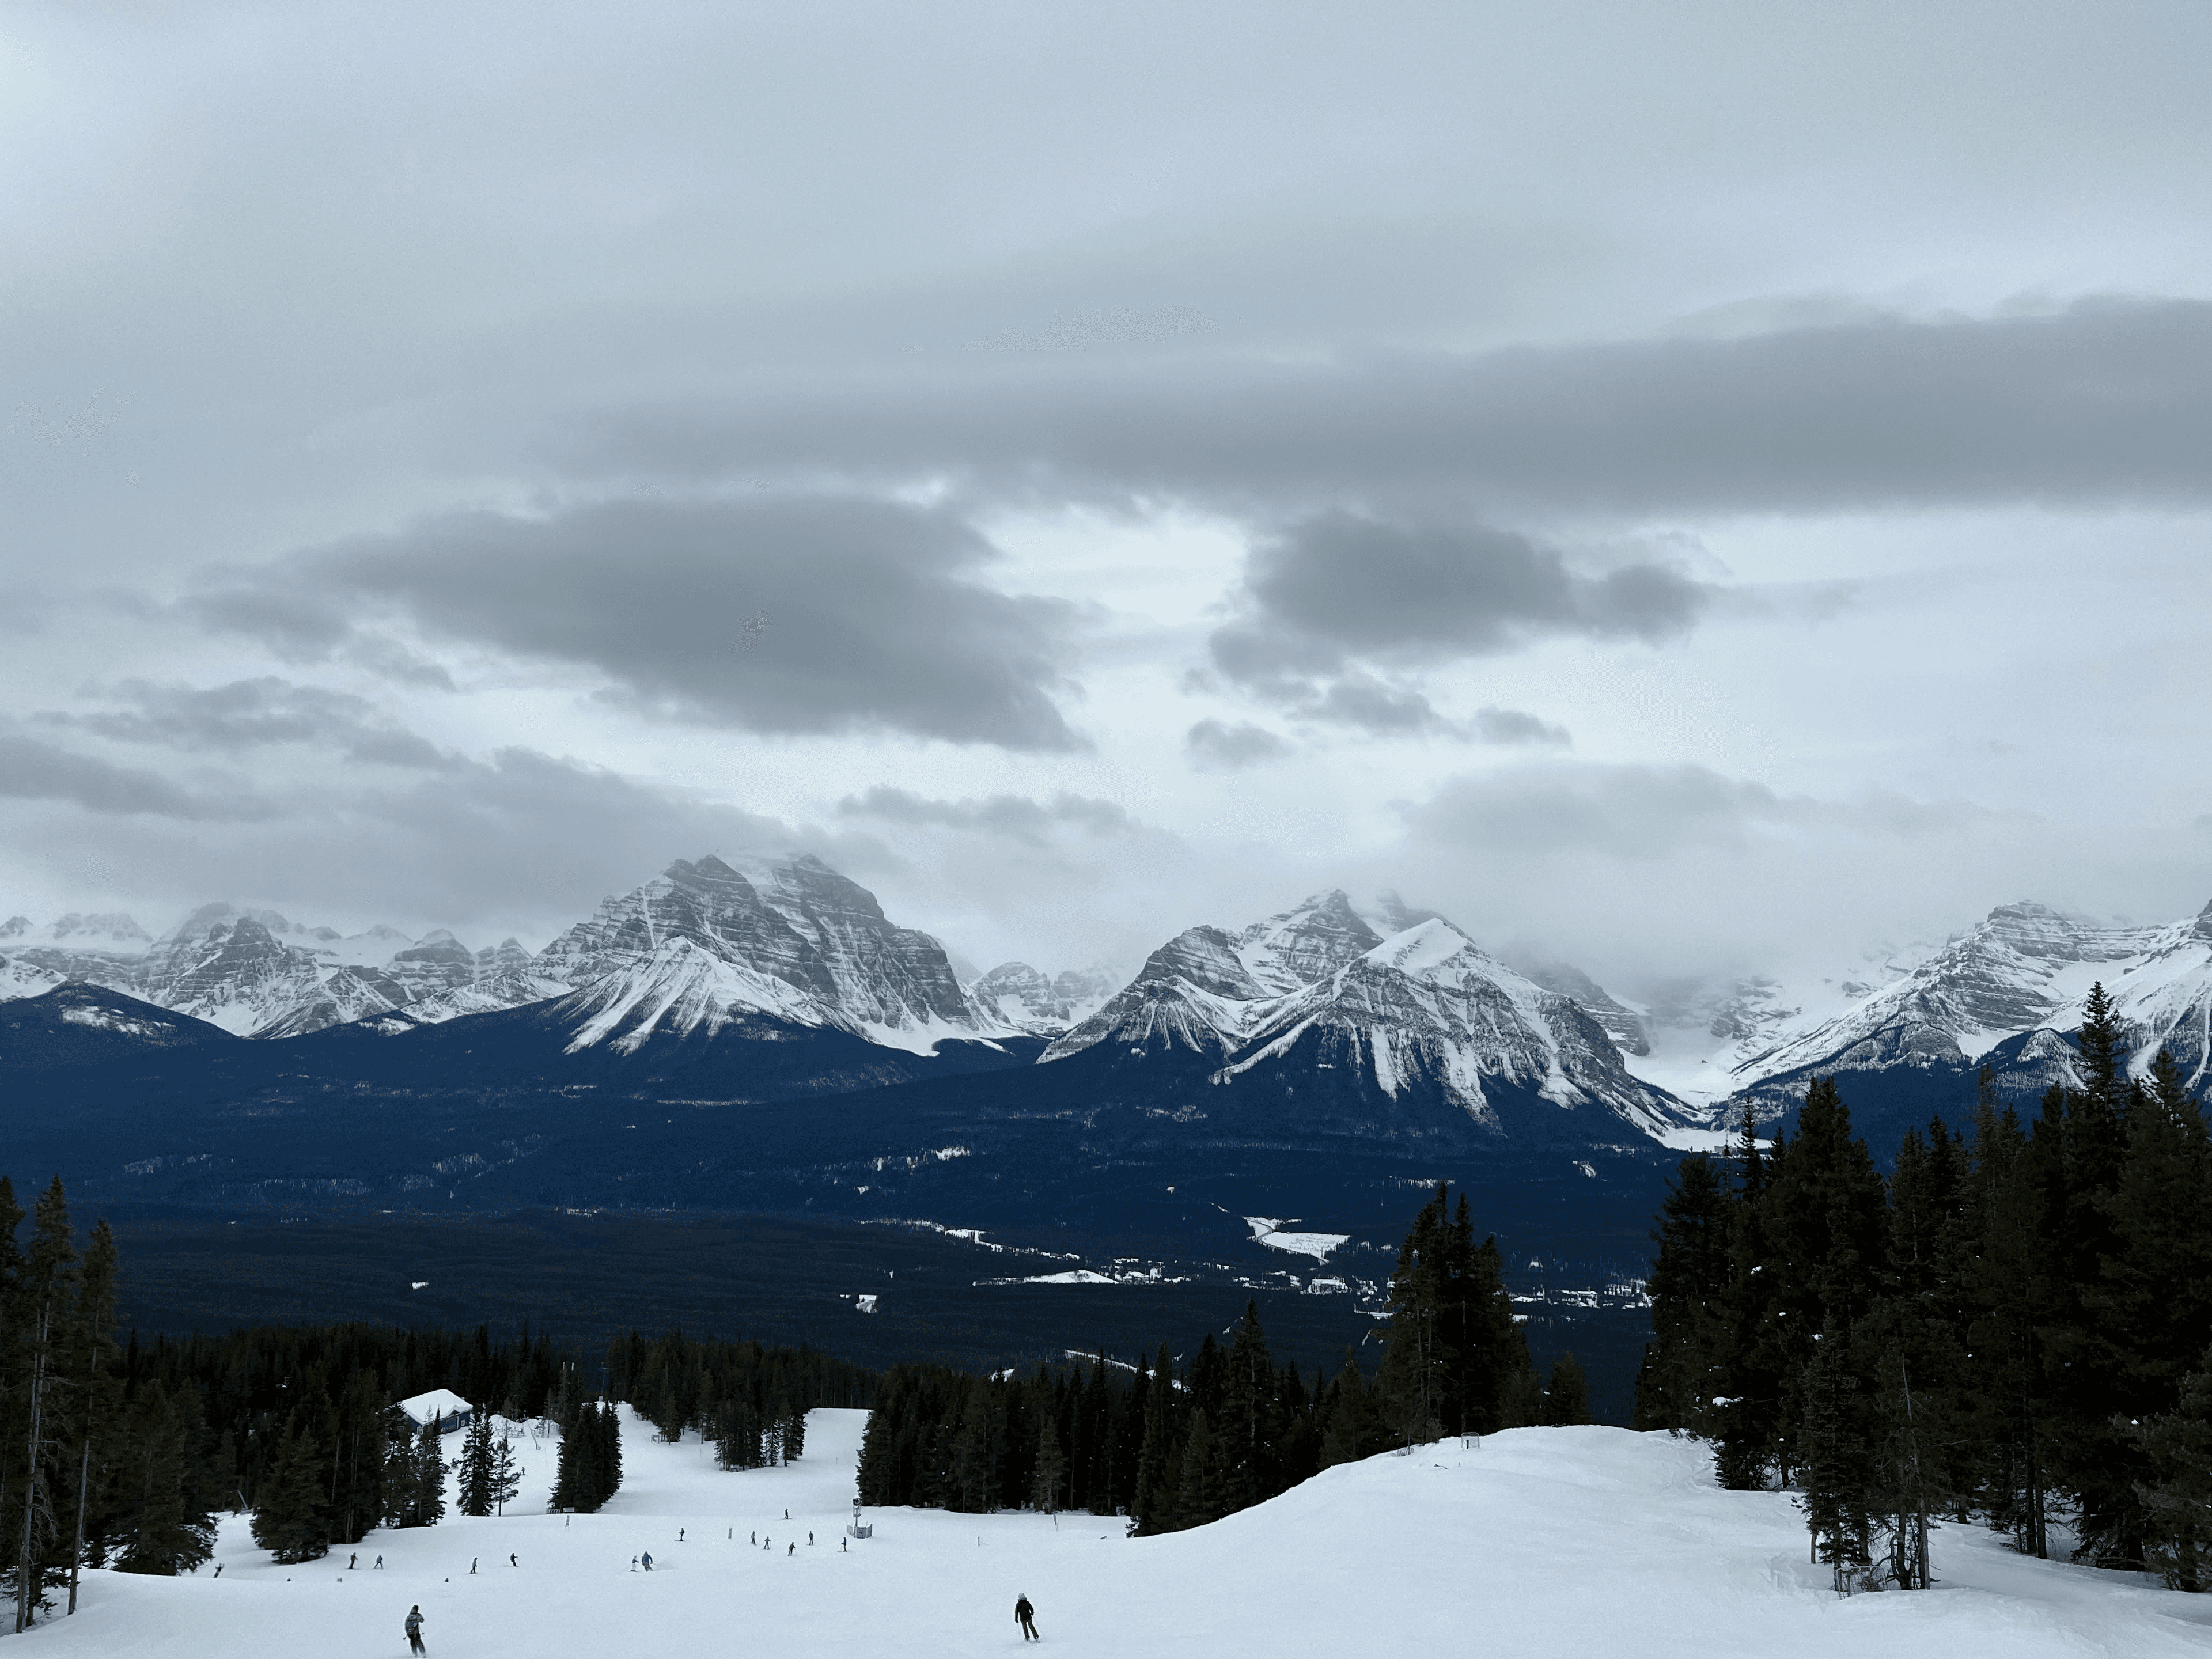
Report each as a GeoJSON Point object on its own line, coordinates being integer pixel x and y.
{"type": "Point", "coordinates": [1025, 1616]}
{"type": "Point", "coordinates": [415, 1629]}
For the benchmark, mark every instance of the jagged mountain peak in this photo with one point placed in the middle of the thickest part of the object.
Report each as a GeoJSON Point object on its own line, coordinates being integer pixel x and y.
{"type": "Point", "coordinates": [791, 919]}
{"type": "Point", "coordinates": [14, 928]}
{"type": "Point", "coordinates": [1305, 943]}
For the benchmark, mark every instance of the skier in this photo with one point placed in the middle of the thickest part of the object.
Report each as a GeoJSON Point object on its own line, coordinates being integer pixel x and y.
{"type": "Point", "coordinates": [753, 1537]}
{"type": "Point", "coordinates": [810, 1539]}
{"type": "Point", "coordinates": [472, 1566]}
{"type": "Point", "coordinates": [633, 1564]}
{"type": "Point", "coordinates": [679, 1534]}
{"type": "Point", "coordinates": [218, 1568]}
{"type": "Point", "coordinates": [1025, 1616]}
{"type": "Point", "coordinates": [844, 1546]}
{"type": "Point", "coordinates": [352, 1561]}
{"type": "Point", "coordinates": [511, 1561]}
{"type": "Point", "coordinates": [415, 1629]}
{"type": "Point", "coordinates": [380, 1564]}
{"type": "Point", "coordinates": [794, 1550]}
{"type": "Point", "coordinates": [648, 1558]}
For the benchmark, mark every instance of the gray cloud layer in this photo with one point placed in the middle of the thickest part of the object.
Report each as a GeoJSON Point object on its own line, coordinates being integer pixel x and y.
{"type": "Point", "coordinates": [247, 714]}
{"type": "Point", "coordinates": [2105, 402]}
{"type": "Point", "coordinates": [32, 769]}
{"type": "Point", "coordinates": [1015, 815]}
{"type": "Point", "coordinates": [1340, 586]}
{"type": "Point", "coordinates": [800, 616]}
{"type": "Point", "coordinates": [1218, 746]}
{"type": "Point", "coordinates": [1641, 813]}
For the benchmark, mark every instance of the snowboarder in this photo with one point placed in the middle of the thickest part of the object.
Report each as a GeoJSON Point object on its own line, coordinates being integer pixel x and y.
{"type": "Point", "coordinates": [794, 1550]}
{"type": "Point", "coordinates": [679, 1534]}
{"type": "Point", "coordinates": [843, 1546]}
{"type": "Point", "coordinates": [511, 1561]}
{"type": "Point", "coordinates": [1025, 1616]}
{"type": "Point", "coordinates": [415, 1629]}
{"type": "Point", "coordinates": [810, 1539]}
{"type": "Point", "coordinates": [218, 1568]}
{"type": "Point", "coordinates": [648, 1558]}
{"type": "Point", "coordinates": [786, 1514]}
{"type": "Point", "coordinates": [472, 1566]}
{"type": "Point", "coordinates": [753, 1537]}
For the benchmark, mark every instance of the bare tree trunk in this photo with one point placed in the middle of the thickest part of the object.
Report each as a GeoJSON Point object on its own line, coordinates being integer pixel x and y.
{"type": "Point", "coordinates": [83, 1481]}
{"type": "Point", "coordinates": [31, 1485]}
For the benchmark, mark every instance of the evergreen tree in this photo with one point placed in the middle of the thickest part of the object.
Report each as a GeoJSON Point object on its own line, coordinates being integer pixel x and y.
{"type": "Point", "coordinates": [429, 1476]}
{"type": "Point", "coordinates": [290, 1520]}
{"type": "Point", "coordinates": [475, 1470]}
{"type": "Point", "coordinates": [2176, 1492]}
{"type": "Point", "coordinates": [506, 1478]}
{"type": "Point", "coordinates": [1154, 1496]}
{"type": "Point", "coordinates": [1688, 1287]}
{"type": "Point", "coordinates": [1051, 1469]}
{"type": "Point", "coordinates": [1353, 1429]}
{"type": "Point", "coordinates": [1249, 1434]}
{"type": "Point", "coordinates": [1830, 1455]}
{"type": "Point", "coordinates": [163, 1532]}
{"type": "Point", "coordinates": [1198, 1494]}
{"type": "Point", "coordinates": [1566, 1396]}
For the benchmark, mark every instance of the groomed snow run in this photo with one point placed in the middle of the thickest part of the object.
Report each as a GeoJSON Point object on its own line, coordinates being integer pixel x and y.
{"type": "Point", "coordinates": [1571, 1542]}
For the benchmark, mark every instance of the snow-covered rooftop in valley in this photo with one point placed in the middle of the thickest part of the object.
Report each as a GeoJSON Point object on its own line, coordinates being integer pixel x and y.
{"type": "Point", "coordinates": [1584, 1541]}
{"type": "Point", "coordinates": [439, 1403]}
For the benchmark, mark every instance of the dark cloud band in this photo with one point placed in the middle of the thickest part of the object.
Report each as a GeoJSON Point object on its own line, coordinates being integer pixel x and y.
{"type": "Point", "coordinates": [2106, 402]}
{"type": "Point", "coordinates": [800, 617]}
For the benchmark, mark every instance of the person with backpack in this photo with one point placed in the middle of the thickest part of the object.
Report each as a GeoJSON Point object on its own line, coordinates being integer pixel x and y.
{"type": "Point", "coordinates": [415, 1629]}
{"type": "Point", "coordinates": [1025, 1616]}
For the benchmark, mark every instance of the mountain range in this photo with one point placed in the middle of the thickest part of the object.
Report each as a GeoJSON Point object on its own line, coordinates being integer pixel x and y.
{"type": "Point", "coordinates": [1374, 1002]}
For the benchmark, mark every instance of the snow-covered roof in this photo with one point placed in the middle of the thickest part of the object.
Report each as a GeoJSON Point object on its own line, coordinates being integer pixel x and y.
{"type": "Point", "coordinates": [438, 1403]}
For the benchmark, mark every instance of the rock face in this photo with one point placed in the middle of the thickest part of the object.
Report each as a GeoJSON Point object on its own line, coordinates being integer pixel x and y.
{"type": "Point", "coordinates": [1622, 1023]}
{"type": "Point", "coordinates": [1021, 999]}
{"type": "Point", "coordinates": [707, 941]}
{"type": "Point", "coordinates": [1423, 1013]}
{"type": "Point", "coordinates": [1427, 1009]}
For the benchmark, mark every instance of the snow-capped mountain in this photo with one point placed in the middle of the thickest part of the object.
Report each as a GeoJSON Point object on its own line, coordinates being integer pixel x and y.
{"type": "Point", "coordinates": [1424, 1011]}
{"type": "Point", "coordinates": [1199, 992]}
{"type": "Point", "coordinates": [256, 973]}
{"type": "Point", "coordinates": [2023, 972]}
{"type": "Point", "coordinates": [706, 942]}
{"type": "Point", "coordinates": [1020, 998]}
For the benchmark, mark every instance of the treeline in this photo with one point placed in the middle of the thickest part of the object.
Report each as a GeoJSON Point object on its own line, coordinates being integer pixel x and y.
{"type": "Point", "coordinates": [752, 1401]}
{"type": "Point", "coordinates": [1176, 1447]}
{"type": "Point", "coordinates": [2012, 1326]}
{"type": "Point", "coordinates": [299, 1424]}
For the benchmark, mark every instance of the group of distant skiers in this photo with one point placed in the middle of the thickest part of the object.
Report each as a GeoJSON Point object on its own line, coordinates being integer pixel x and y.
{"type": "Point", "coordinates": [1024, 1614]}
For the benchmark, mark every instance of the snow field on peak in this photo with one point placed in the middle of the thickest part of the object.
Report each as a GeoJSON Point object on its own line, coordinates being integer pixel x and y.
{"type": "Point", "coordinates": [1580, 1541]}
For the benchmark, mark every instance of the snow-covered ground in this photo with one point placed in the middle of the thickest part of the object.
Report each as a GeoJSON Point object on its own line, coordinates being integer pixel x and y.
{"type": "Point", "coordinates": [1568, 1541]}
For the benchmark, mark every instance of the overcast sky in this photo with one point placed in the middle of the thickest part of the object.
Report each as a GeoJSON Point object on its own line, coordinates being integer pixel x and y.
{"type": "Point", "coordinates": [1695, 488]}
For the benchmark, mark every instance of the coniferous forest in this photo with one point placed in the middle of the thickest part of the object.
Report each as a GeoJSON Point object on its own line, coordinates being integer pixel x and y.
{"type": "Point", "coordinates": [121, 1455]}
{"type": "Point", "coordinates": [1176, 1446]}
{"type": "Point", "coordinates": [2012, 1326]}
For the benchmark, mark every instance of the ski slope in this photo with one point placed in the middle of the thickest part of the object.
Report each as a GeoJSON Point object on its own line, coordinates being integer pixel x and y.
{"type": "Point", "coordinates": [1571, 1542]}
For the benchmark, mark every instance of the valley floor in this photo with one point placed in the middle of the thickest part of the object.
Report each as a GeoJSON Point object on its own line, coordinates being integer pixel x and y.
{"type": "Point", "coordinates": [1569, 1541]}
